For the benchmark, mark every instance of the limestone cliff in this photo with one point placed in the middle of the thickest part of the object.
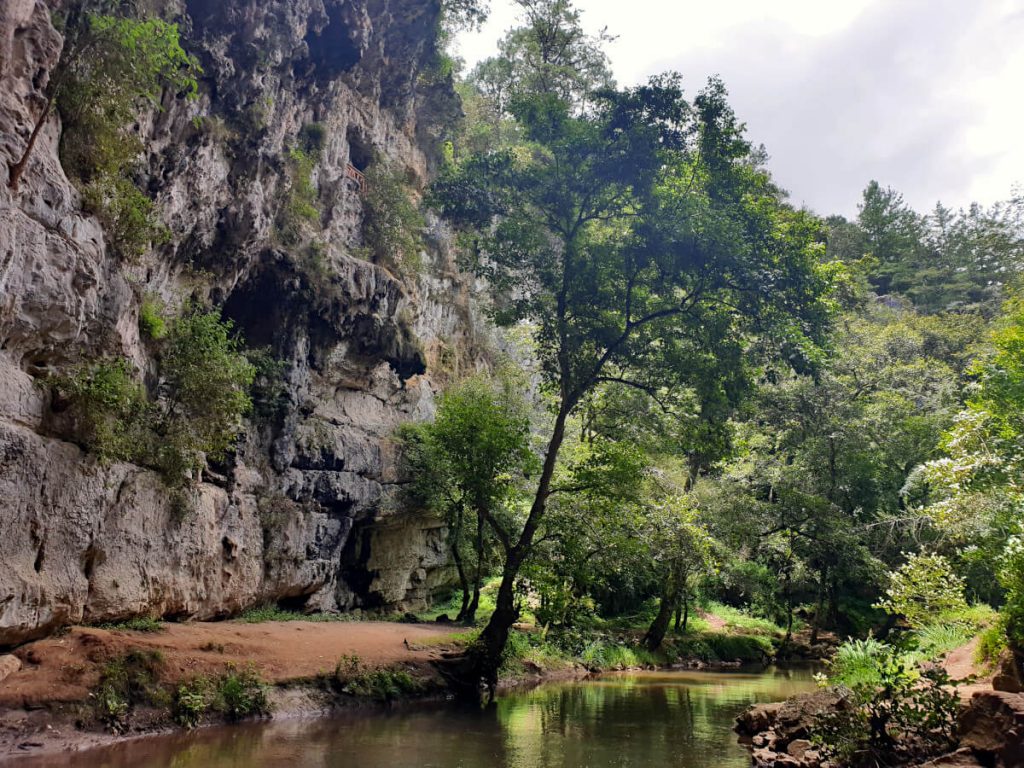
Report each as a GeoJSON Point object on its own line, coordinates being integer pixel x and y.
{"type": "Point", "coordinates": [304, 514]}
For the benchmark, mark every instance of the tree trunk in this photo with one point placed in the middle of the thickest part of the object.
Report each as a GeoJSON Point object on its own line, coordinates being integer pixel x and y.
{"type": "Point", "coordinates": [470, 615]}
{"type": "Point", "coordinates": [459, 565]}
{"type": "Point", "coordinates": [486, 654]}
{"type": "Point", "coordinates": [686, 611]}
{"type": "Point", "coordinates": [820, 607]}
{"type": "Point", "coordinates": [656, 632]}
{"type": "Point", "coordinates": [18, 169]}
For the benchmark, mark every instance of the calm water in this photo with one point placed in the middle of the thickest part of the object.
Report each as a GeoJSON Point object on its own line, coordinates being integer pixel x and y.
{"type": "Point", "coordinates": [679, 719]}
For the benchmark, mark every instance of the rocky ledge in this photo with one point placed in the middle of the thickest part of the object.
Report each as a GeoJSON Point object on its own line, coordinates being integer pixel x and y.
{"type": "Point", "coordinates": [778, 734]}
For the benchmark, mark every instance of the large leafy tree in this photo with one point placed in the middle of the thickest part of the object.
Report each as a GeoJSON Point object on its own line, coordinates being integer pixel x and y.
{"type": "Point", "coordinates": [647, 246]}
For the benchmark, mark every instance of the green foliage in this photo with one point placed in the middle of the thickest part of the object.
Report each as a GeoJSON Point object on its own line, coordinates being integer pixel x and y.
{"type": "Point", "coordinates": [936, 640]}
{"type": "Point", "coordinates": [1011, 575]}
{"type": "Point", "coordinates": [271, 612]}
{"type": "Point", "coordinates": [381, 684]}
{"type": "Point", "coordinates": [299, 211]}
{"type": "Point", "coordinates": [111, 65]}
{"type": "Point", "coordinates": [234, 695]}
{"type": "Point", "coordinates": [152, 324]}
{"type": "Point", "coordinates": [893, 710]}
{"type": "Point", "coordinates": [202, 397]}
{"type": "Point", "coordinates": [137, 624]}
{"type": "Point", "coordinates": [109, 407]}
{"type": "Point", "coordinates": [924, 589]}
{"type": "Point", "coordinates": [392, 223]}
{"type": "Point", "coordinates": [205, 379]}
{"type": "Point", "coordinates": [991, 644]}
{"type": "Point", "coordinates": [126, 682]}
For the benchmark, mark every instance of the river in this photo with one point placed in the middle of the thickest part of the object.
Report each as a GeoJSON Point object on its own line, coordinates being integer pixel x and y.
{"type": "Point", "coordinates": [626, 720]}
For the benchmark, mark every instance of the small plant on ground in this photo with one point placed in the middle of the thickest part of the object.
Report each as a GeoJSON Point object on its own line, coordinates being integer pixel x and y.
{"type": "Point", "coordinates": [235, 695]}
{"type": "Point", "coordinates": [137, 624]}
{"type": "Point", "coordinates": [126, 682]}
{"type": "Point", "coordinates": [892, 710]}
{"type": "Point", "coordinates": [378, 684]}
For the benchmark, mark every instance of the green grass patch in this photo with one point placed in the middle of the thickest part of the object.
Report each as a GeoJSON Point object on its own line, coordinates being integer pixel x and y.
{"type": "Point", "coordinates": [137, 624]}
{"type": "Point", "coordinates": [235, 695]}
{"type": "Point", "coordinates": [263, 613]}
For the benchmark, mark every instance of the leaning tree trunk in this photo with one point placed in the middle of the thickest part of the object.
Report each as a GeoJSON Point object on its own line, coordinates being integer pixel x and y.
{"type": "Point", "coordinates": [484, 657]}
{"type": "Point", "coordinates": [18, 169]}
{"type": "Point", "coordinates": [659, 627]}
{"type": "Point", "coordinates": [460, 566]}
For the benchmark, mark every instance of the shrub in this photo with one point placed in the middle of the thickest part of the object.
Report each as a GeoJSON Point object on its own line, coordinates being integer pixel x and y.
{"type": "Point", "coordinates": [191, 701]}
{"type": "Point", "coordinates": [110, 64]}
{"type": "Point", "coordinates": [894, 712]}
{"type": "Point", "coordinates": [1011, 576]}
{"type": "Point", "coordinates": [241, 694]}
{"type": "Point", "coordinates": [137, 624]}
{"type": "Point", "coordinates": [392, 224]}
{"type": "Point", "coordinates": [924, 589]}
{"type": "Point", "coordinates": [857, 662]}
{"type": "Point", "coordinates": [206, 381]}
{"type": "Point", "coordinates": [378, 684]}
{"type": "Point", "coordinates": [991, 644]}
{"type": "Point", "coordinates": [125, 682]}
{"type": "Point", "coordinates": [234, 694]}
{"type": "Point", "coordinates": [203, 396]}
{"type": "Point", "coordinates": [109, 408]}
{"type": "Point", "coordinates": [151, 319]}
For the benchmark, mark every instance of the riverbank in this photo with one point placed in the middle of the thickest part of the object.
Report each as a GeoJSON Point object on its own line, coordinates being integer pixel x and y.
{"type": "Point", "coordinates": [91, 686]}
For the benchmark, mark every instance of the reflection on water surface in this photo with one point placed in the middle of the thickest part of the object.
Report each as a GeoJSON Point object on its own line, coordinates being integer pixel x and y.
{"type": "Point", "coordinates": [681, 719]}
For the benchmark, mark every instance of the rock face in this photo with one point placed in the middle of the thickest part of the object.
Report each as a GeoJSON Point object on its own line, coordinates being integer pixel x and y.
{"type": "Point", "coordinates": [306, 514]}
{"type": "Point", "coordinates": [778, 733]}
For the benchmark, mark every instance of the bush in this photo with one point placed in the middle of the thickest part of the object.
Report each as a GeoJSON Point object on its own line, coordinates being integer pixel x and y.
{"type": "Point", "coordinates": [857, 662]}
{"type": "Point", "coordinates": [151, 319]}
{"type": "Point", "coordinates": [1011, 576]}
{"type": "Point", "coordinates": [234, 694]}
{"type": "Point", "coordinates": [126, 682]}
{"type": "Point", "coordinates": [137, 624]}
{"type": "Point", "coordinates": [300, 210]}
{"type": "Point", "coordinates": [895, 712]}
{"type": "Point", "coordinates": [203, 396]}
{"type": "Point", "coordinates": [109, 407]}
{"type": "Point", "coordinates": [392, 224]}
{"type": "Point", "coordinates": [110, 64]}
{"type": "Point", "coordinates": [923, 590]}
{"type": "Point", "coordinates": [990, 645]}
{"type": "Point", "coordinates": [378, 684]}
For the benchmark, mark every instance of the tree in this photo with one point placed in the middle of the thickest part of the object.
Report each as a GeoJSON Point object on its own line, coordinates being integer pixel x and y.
{"type": "Point", "coordinates": [108, 64]}
{"type": "Point", "coordinates": [924, 589]}
{"type": "Point", "coordinates": [683, 551]}
{"type": "Point", "coordinates": [469, 463]}
{"type": "Point", "coordinates": [641, 238]}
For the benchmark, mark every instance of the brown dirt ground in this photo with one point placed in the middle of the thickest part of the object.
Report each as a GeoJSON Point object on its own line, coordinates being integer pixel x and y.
{"type": "Point", "coordinates": [64, 668]}
{"type": "Point", "coordinates": [959, 664]}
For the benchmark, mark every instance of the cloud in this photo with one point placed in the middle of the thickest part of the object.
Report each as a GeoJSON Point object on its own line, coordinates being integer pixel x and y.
{"type": "Point", "coordinates": [923, 95]}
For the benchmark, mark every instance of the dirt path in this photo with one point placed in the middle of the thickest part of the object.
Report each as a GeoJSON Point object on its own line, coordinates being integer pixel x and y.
{"type": "Point", "coordinates": [959, 664]}
{"type": "Point", "coordinates": [65, 668]}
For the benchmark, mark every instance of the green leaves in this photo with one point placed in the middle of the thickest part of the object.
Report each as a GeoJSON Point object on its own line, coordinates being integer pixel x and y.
{"type": "Point", "coordinates": [202, 397]}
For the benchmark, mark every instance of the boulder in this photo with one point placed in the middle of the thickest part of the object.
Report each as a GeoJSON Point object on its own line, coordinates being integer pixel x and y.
{"type": "Point", "coordinates": [8, 666]}
{"type": "Point", "coordinates": [1008, 675]}
{"type": "Point", "coordinates": [992, 726]}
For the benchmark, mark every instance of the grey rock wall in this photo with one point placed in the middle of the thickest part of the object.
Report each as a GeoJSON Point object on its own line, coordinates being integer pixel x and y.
{"type": "Point", "coordinates": [307, 514]}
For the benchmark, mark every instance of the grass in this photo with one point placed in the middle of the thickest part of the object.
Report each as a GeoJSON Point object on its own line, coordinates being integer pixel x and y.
{"type": "Point", "coordinates": [137, 624]}
{"type": "Point", "coordinates": [741, 621]}
{"type": "Point", "coordinates": [263, 613]}
{"type": "Point", "coordinates": [235, 694]}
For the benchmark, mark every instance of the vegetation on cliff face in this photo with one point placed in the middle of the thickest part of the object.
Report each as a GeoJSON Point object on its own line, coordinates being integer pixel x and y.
{"type": "Point", "coordinates": [191, 413]}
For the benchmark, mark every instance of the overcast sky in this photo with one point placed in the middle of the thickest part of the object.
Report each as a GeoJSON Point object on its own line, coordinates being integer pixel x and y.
{"type": "Point", "coordinates": [926, 96]}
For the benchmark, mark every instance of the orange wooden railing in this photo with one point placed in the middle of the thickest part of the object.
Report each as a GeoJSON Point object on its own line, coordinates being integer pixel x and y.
{"type": "Point", "coordinates": [355, 174]}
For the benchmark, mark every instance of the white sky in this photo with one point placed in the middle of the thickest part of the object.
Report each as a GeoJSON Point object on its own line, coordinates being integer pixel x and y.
{"type": "Point", "coordinates": [926, 96]}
